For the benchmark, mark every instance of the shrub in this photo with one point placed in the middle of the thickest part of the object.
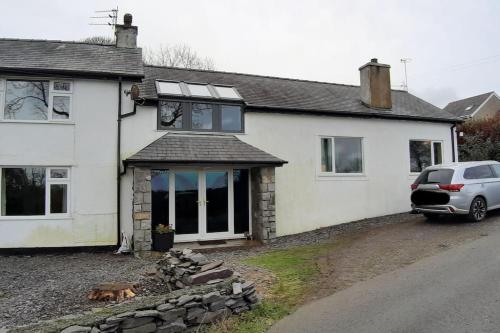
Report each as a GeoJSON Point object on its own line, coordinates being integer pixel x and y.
{"type": "Point", "coordinates": [480, 140]}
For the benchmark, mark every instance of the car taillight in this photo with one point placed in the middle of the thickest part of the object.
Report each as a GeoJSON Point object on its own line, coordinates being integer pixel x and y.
{"type": "Point", "coordinates": [451, 187]}
{"type": "Point", "coordinates": [414, 186]}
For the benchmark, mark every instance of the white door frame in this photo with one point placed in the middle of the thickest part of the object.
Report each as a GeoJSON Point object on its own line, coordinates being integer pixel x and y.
{"type": "Point", "coordinates": [202, 211]}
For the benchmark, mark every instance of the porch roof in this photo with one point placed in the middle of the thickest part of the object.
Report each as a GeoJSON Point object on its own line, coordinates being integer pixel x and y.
{"type": "Point", "coordinates": [202, 149]}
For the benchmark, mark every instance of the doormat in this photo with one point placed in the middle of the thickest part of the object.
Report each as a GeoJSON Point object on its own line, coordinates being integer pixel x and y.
{"type": "Point", "coordinates": [212, 242]}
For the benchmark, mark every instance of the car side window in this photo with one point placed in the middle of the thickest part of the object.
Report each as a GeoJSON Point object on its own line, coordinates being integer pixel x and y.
{"type": "Point", "coordinates": [496, 168]}
{"type": "Point", "coordinates": [479, 172]}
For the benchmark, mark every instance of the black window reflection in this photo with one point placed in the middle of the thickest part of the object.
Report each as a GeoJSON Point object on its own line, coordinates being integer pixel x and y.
{"type": "Point", "coordinates": [26, 100]}
{"type": "Point", "coordinates": [23, 191]}
{"type": "Point", "coordinates": [171, 114]}
{"type": "Point", "coordinates": [201, 116]}
{"type": "Point", "coordinates": [231, 118]}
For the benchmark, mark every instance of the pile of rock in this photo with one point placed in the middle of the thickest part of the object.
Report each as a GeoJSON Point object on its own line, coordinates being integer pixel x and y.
{"type": "Point", "coordinates": [184, 268]}
{"type": "Point", "coordinates": [179, 313]}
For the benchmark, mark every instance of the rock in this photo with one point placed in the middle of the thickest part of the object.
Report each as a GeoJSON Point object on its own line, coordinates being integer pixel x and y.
{"type": "Point", "coordinates": [186, 252]}
{"type": "Point", "coordinates": [175, 327]}
{"type": "Point", "coordinates": [185, 265]}
{"type": "Point", "coordinates": [147, 313]}
{"type": "Point", "coordinates": [172, 315]}
{"type": "Point", "coordinates": [95, 330]}
{"type": "Point", "coordinates": [185, 299]}
{"type": "Point", "coordinates": [211, 297]}
{"type": "Point", "coordinates": [252, 299]}
{"type": "Point", "coordinates": [126, 314]}
{"type": "Point", "coordinates": [147, 328]}
{"type": "Point", "coordinates": [241, 309]}
{"type": "Point", "coordinates": [179, 284]}
{"type": "Point", "coordinates": [210, 266]}
{"type": "Point", "coordinates": [114, 320]}
{"type": "Point", "coordinates": [164, 307]}
{"type": "Point", "coordinates": [217, 305]}
{"type": "Point", "coordinates": [203, 277]}
{"type": "Point", "coordinates": [198, 259]}
{"type": "Point", "coordinates": [136, 322]}
{"type": "Point", "coordinates": [194, 315]}
{"type": "Point", "coordinates": [106, 327]}
{"type": "Point", "coordinates": [247, 285]}
{"type": "Point", "coordinates": [235, 303]}
{"type": "Point", "coordinates": [209, 317]}
{"type": "Point", "coordinates": [237, 288]}
{"type": "Point", "coordinates": [76, 329]}
{"type": "Point", "coordinates": [192, 305]}
{"type": "Point", "coordinates": [214, 281]}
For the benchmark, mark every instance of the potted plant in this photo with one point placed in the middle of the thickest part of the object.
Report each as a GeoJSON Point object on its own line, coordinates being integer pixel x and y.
{"type": "Point", "coordinates": [163, 237]}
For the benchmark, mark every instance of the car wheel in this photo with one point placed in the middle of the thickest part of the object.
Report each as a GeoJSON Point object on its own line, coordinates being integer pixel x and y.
{"type": "Point", "coordinates": [431, 216]}
{"type": "Point", "coordinates": [477, 210]}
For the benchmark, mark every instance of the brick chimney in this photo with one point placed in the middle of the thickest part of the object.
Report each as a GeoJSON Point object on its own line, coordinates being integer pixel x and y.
{"type": "Point", "coordinates": [126, 33]}
{"type": "Point", "coordinates": [375, 81]}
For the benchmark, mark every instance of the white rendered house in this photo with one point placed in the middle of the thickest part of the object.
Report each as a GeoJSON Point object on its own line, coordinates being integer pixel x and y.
{"type": "Point", "coordinates": [95, 144]}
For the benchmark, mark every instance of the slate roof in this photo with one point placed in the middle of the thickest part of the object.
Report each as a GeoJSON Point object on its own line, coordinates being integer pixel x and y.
{"type": "Point", "coordinates": [60, 57]}
{"type": "Point", "coordinates": [202, 149]}
{"type": "Point", "coordinates": [460, 108]}
{"type": "Point", "coordinates": [272, 93]}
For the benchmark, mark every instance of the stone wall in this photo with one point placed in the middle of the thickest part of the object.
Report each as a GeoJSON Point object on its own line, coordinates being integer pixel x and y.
{"type": "Point", "coordinates": [142, 211]}
{"type": "Point", "coordinates": [263, 203]}
{"type": "Point", "coordinates": [178, 311]}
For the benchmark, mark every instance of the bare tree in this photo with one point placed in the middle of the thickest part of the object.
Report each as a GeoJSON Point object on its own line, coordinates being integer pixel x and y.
{"type": "Point", "coordinates": [104, 40]}
{"type": "Point", "coordinates": [177, 56]}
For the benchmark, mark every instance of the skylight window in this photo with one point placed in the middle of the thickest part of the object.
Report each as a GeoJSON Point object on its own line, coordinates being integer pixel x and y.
{"type": "Point", "coordinates": [468, 108]}
{"type": "Point", "coordinates": [196, 90]}
{"type": "Point", "coordinates": [227, 92]}
{"type": "Point", "coordinates": [169, 88]}
{"type": "Point", "coordinates": [199, 90]}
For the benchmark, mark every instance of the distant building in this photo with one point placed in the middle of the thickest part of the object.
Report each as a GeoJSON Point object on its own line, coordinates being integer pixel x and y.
{"type": "Point", "coordinates": [477, 107]}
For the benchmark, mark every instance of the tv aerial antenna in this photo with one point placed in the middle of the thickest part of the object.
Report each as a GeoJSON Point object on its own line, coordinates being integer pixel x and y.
{"type": "Point", "coordinates": [405, 61]}
{"type": "Point", "coordinates": [107, 17]}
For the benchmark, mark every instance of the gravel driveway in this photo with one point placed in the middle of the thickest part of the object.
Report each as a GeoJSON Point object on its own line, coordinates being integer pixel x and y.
{"type": "Point", "coordinates": [45, 286]}
{"type": "Point", "coordinates": [41, 287]}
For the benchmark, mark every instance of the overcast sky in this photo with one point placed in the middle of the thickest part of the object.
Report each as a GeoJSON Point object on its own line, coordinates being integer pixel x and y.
{"type": "Point", "coordinates": [453, 45]}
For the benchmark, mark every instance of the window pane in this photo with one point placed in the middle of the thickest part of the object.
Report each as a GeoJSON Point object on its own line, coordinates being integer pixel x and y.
{"type": "Point", "coordinates": [496, 167]}
{"type": "Point", "coordinates": [231, 118]}
{"type": "Point", "coordinates": [478, 172]}
{"type": "Point", "coordinates": [420, 155]}
{"type": "Point", "coordinates": [201, 116]}
{"type": "Point", "coordinates": [226, 92]}
{"type": "Point", "coordinates": [326, 155]}
{"type": "Point", "coordinates": [60, 107]}
{"type": "Point", "coordinates": [171, 114]}
{"type": "Point", "coordinates": [199, 90]}
{"type": "Point", "coordinates": [62, 86]}
{"type": "Point", "coordinates": [442, 176]}
{"type": "Point", "coordinates": [241, 200]}
{"type": "Point", "coordinates": [59, 173]}
{"type": "Point", "coordinates": [169, 88]}
{"type": "Point", "coordinates": [186, 203]}
{"type": "Point", "coordinates": [26, 100]}
{"type": "Point", "coordinates": [58, 198]}
{"type": "Point", "coordinates": [23, 191]}
{"type": "Point", "coordinates": [159, 197]}
{"type": "Point", "coordinates": [348, 155]}
{"type": "Point", "coordinates": [438, 153]}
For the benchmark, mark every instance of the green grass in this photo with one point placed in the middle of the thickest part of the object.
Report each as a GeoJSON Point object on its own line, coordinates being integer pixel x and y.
{"type": "Point", "coordinates": [294, 269]}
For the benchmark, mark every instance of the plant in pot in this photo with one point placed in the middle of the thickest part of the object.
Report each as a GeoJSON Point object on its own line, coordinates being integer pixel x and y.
{"type": "Point", "coordinates": [163, 237]}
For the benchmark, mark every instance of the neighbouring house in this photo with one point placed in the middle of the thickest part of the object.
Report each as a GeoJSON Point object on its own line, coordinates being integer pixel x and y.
{"type": "Point", "coordinates": [476, 107]}
{"type": "Point", "coordinates": [95, 144]}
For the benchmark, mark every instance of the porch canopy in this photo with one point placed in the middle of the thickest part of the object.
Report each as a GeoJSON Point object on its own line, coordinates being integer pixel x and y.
{"type": "Point", "coordinates": [202, 149]}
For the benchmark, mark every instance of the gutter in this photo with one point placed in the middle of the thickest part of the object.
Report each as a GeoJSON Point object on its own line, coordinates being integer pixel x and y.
{"type": "Point", "coordinates": [453, 143]}
{"type": "Point", "coordinates": [118, 164]}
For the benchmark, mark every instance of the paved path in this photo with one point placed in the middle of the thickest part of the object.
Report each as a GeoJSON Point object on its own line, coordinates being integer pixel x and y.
{"type": "Point", "coordinates": [457, 290]}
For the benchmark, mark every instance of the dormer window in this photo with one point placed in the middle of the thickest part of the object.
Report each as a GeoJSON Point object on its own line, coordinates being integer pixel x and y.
{"type": "Point", "coordinates": [199, 107]}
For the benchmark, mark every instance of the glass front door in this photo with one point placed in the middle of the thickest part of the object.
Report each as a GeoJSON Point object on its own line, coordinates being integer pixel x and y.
{"type": "Point", "coordinates": [202, 204]}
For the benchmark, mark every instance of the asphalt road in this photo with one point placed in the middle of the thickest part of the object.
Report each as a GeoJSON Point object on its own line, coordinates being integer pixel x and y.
{"type": "Point", "coordinates": [457, 290]}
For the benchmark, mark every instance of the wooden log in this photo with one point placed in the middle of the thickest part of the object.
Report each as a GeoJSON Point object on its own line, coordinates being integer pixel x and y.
{"type": "Point", "coordinates": [113, 291]}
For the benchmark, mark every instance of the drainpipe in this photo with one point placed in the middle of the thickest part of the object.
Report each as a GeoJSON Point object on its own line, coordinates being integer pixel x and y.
{"type": "Point", "coordinates": [453, 142]}
{"type": "Point", "coordinates": [118, 163]}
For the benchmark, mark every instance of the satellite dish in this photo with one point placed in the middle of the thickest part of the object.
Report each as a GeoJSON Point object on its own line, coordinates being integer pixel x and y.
{"type": "Point", "coordinates": [135, 92]}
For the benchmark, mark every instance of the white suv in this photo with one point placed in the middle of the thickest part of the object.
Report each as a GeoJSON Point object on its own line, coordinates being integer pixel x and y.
{"type": "Point", "coordinates": [467, 188]}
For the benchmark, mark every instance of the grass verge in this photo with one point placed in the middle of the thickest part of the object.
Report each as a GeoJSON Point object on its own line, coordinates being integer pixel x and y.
{"type": "Point", "coordinates": [294, 269]}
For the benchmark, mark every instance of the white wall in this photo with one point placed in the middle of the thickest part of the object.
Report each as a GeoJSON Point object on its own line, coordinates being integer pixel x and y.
{"type": "Point", "coordinates": [306, 201]}
{"type": "Point", "coordinates": [88, 146]}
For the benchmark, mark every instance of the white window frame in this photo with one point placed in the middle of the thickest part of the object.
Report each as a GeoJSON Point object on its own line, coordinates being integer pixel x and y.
{"type": "Point", "coordinates": [51, 94]}
{"type": "Point", "coordinates": [432, 153]}
{"type": "Point", "coordinates": [339, 174]}
{"type": "Point", "coordinates": [48, 181]}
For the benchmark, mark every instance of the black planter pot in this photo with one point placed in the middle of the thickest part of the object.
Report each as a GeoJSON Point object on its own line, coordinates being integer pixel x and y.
{"type": "Point", "coordinates": [163, 242]}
